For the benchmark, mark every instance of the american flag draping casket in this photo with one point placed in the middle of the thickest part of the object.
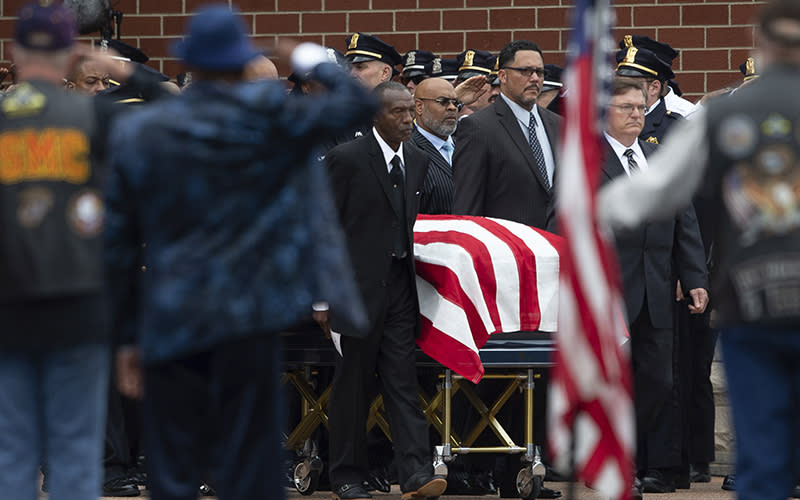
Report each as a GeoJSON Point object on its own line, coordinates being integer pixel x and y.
{"type": "Point", "coordinates": [477, 276]}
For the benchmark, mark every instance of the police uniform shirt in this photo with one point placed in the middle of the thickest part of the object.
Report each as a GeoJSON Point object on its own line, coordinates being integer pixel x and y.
{"type": "Point", "coordinates": [523, 118]}
{"type": "Point", "coordinates": [619, 150]}
{"type": "Point", "coordinates": [678, 104]}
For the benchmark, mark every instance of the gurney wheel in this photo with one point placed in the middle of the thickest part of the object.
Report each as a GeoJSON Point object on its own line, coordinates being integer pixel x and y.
{"type": "Point", "coordinates": [528, 485]}
{"type": "Point", "coordinates": [306, 478]}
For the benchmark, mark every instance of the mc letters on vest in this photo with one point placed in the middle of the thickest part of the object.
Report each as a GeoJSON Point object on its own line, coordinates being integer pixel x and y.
{"type": "Point", "coordinates": [754, 176]}
{"type": "Point", "coordinates": [51, 210]}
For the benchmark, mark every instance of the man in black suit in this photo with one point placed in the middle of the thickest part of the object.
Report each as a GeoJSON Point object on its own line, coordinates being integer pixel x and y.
{"type": "Point", "coordinates": [436, 107]}
{"type": "Point", "coordinates": [504, 163]}
{"type": "Point", "coordinates": [504, 166]}
{"type": "Point", "coordinates": [376, 182]}
{"type": "Point", "coordinates": [646, 256]}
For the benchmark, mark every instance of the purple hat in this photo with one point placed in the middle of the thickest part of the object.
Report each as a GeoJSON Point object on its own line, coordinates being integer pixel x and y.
{"type": "Point", "coordinates": [215, 40]}
{"type": "Point", "coordinates": [45, 27]}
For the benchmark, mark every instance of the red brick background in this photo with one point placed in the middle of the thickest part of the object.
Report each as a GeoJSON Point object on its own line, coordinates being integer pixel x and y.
{"type": "Point", "coordinates": [714, 36]}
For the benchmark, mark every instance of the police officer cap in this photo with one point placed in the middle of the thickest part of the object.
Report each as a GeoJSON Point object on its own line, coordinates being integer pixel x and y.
{"type": "Point", "coordinates": [552, 77]}
{"type": "Point", "coordinates": [444, 68]}
{"type": "Point", "coordinates": [417, 63]}
{"type": "Point", "coordinates": [493, 78]}
{"type": "Point", "coordinates": [361, 48]}
{"type": "Point", "coordinates": [473, 62]}
{"type": "Point", "coordinates": [662, 50]}
{"type": "Point", "coordinates": [334, 56]}
{"type": "Point", "coordinates": [748, 69]}
{"type": "Point", "coordinates": [641, 62]}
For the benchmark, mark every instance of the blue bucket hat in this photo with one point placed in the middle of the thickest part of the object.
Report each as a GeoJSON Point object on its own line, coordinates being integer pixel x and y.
{"type": "Point", "coordinates": [215, 40]}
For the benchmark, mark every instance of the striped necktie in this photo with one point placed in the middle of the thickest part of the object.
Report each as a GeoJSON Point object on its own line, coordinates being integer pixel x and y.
{"type": "Point", "coordinates": [533, 141]}
{"type": "Point", "coordinates": [632, 165]}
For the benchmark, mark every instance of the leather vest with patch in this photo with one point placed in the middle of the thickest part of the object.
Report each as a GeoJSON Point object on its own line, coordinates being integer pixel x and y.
{"type": "Point", "coordinates": [754, 177]}
{"type": "Point", "coordinates": [51, 208]}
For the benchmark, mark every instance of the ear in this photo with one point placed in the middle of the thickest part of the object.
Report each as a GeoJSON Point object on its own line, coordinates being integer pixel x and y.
{"type": "Point", "coordinates": [502, 75]}
{"type": "Point", "coordinates": [419, 107]}
{"type": "Point", "coordinates": [386, 73]}
{"type": "Point", "coordinates": [70, 85]}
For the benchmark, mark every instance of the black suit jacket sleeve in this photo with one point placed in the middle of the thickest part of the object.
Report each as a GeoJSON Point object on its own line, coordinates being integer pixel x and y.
{"type": "Point", "coordinates": [470, 162]}
{"type": "Point", "coordinates": [689, 252]}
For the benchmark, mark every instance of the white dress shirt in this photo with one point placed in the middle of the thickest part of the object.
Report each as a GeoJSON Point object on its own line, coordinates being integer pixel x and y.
{"type": "Point", "coordinates": [619, 150]}
{"type": "Point", "coordinates": [439, 143]}
{"type": "Point", "coordinates": [523, 118]}
{"type": "Point", "coordinates": [389, 153]}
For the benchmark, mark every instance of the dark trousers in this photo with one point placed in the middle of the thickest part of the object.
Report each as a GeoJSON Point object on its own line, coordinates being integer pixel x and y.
{"type": "Point", "coordinates": [390, 351]}
{"type": "Point", "coordinates": [216, 415]}
{"type": "Point", "coordinates": [122, 435]}
{"type": "Point", "coordinates": [695, 354]}
{"type": "Point", "coordinates": [651, 356]}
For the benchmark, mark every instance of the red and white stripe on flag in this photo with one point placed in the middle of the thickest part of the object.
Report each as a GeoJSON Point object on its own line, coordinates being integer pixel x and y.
{"type": "Point", "coordinates": [477, 276]}
{"type": "Point", "coordinates": [591, 418]}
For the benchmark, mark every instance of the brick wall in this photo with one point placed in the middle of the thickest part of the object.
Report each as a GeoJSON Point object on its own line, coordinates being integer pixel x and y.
{"type": "Point", "coordinates": [714, 36]}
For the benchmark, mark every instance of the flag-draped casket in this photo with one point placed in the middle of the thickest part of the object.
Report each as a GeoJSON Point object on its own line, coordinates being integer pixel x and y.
{"type": "Point", "coordinates": [477, 276]}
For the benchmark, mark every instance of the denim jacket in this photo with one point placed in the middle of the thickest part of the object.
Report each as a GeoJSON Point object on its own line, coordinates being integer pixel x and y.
{"type": "Point", "coordinates": [220, 223]}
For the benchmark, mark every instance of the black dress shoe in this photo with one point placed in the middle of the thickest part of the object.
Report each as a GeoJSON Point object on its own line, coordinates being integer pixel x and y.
{"type": "Point", "coordinates": [379, 479]}
{"type": "Point", "coordinates": [347, 491]}
{"type": "Point", "coordinates": [656, 481]}
{"type": "Point", "coordinates": [699, 473]}
{"type": "Point", "coordinates": [423, 485]}
{"type": "Point", "coordinates": [207, 491]}
{"type": "Point", "coordinates": [120, 487]}
{"type": "Point", "coordinates": [546, 492]}
{"type": "Point", "coordinates": [636, 489]}
{"type": "Point", "coordinates": [729, 483]}
{"type": "Point", "coordinates": [458, 483]}
{"type": "Point", "coordinates": [483, 482]}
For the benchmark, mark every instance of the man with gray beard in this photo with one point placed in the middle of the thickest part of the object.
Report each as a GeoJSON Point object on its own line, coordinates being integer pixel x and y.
{"type": "Point", "coordinates": [437, 110]}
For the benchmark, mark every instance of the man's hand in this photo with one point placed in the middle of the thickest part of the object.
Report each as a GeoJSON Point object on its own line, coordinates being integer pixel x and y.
{"type": "Point", "coordinates": [679, 292]}
{"type": "Point", "coordinates": [321, 317]}
{"type": "Point", "coordinates": [106, 61]}
{"type": "Point", "coordinates": [471, 89]}
{"type": "Point", "coordinates": [699, 298]}
{"type": "Point", "coordinates": [130, 379]}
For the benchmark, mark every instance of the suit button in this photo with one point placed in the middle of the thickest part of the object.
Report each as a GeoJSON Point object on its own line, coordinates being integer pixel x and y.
{"type": "Point", "coordinates": [383, 283]}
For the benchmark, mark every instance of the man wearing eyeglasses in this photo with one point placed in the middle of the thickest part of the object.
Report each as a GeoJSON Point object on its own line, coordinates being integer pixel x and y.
{"type": "Point", "coordinates": [504, 166]}
{"type": "Point", "coordinates": [504, 163]}
{"type": "Point", "coordinates": [436, 108]}
{"type": "Point", "coordinates": [646, 256]}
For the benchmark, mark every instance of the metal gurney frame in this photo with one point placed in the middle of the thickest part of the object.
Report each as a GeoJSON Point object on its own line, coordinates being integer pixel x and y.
{"type": "Point", "coordinates": [519, 355]}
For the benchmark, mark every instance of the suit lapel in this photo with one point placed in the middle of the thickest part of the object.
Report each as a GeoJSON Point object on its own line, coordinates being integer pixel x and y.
{"type": "Point", "coordinates": [378, 164]}
{"type": "Point", "coordinates": [436, 157]}
{"type": "Point", "coordinates": [511, 124]}
{"type": "Point", "coordinates": [611, 166]}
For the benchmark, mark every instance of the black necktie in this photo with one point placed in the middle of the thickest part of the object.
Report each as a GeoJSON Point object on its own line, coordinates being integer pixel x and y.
{"type": "Point", "coordinates": [632, 165]}
{"type": "Point", "coordinates": [400, 249]}
{"type": "Point", "coordinates": [533, 141]}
